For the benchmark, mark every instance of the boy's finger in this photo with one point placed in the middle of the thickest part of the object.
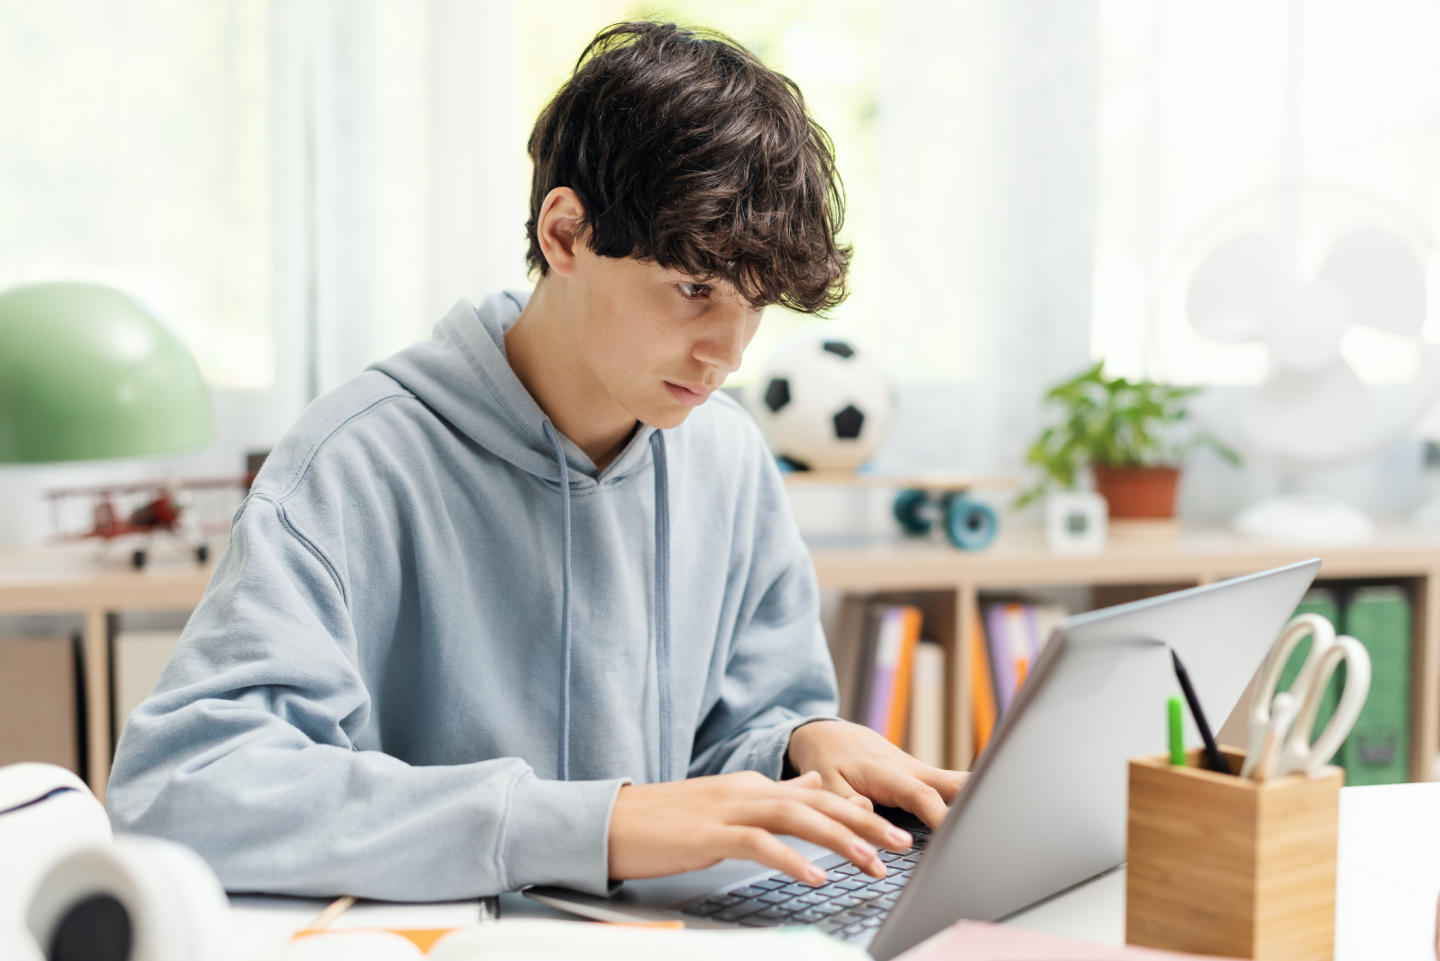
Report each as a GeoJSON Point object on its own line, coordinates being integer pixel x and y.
{"type": "Point", "coordinates": [923, 801]}
{"type": "Point", "coordinates": [946, 783]}
{"type": "Point", "coordinates": [805, 822]}
{"type": "Point", "coordinates": [860, 819]}
{"type": "Point", "coordinates": [758, 844]}
{"type": "Point", "coordinates": [836, 784]}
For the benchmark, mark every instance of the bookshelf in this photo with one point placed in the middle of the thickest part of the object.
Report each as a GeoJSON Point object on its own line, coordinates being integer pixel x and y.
{"type": "Point", "coordinates": [949, 584]}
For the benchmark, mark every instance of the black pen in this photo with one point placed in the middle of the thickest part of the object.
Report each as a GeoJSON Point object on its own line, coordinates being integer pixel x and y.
{"type": "Point", "coordinates": [1213, 756]}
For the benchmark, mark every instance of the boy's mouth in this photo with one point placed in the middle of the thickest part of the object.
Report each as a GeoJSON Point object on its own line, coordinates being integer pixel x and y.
{"type": "Point", "coordinates": [687, 395]}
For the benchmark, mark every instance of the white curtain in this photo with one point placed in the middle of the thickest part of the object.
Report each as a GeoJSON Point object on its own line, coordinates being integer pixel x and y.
{"type": "Point", "coordinates": [988, 180]}
{"type": "Point", "coordinates": [988, 186]}
{"type": "Point", "coordinates": [418, 186]}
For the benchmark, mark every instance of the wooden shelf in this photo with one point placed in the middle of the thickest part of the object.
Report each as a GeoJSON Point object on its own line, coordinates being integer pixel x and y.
{"type": "Point", "coordinates": [72, 579]}
{"type": "Point", "coordinates": [949, 580]}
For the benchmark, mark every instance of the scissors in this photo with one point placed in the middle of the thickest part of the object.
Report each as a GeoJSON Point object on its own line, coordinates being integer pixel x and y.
{"type": "Point", "coordinates": [1296, 753]}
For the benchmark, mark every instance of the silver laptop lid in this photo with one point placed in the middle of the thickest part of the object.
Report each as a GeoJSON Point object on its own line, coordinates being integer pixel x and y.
{"type": "Point", "coordinates": [1044, 808]}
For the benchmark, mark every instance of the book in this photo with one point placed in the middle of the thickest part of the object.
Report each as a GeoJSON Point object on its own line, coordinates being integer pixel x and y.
{"type": "Point", "coordinates": [864, 661]}
{"type": "Point", "coordinates": [982, 690]}
{"type": "Point", "coordinates": [1002, 663]}
{"type": "Point", "coordinates": [847, 646]}
{"type": "Point", "coordinates": [910, 620]}
{"type": "Point", "coordinates": [1019, 635]}
{"type": "Point", "coordinates": [1378, 748]}
{"type": "Point", "coordinates": [926, 740]}
{"type": "Point", "coordinates": [545, 938]}
{"type": "Point", "coordinates": [888, 704]}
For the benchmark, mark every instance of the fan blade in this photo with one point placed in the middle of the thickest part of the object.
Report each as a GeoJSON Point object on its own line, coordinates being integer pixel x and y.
{"type": "Point", "coordinates": [1382, 276]}
{"type": "Point", "coordinates": [1229, 291]}
{"type": "Point", "coordinates": [1303, 328]}
{"type": "Point", "coordinates": [1311, 417]}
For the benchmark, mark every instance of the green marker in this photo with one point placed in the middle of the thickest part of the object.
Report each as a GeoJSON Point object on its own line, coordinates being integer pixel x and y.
{"type": "Point", "coordinates": [1177, 733]}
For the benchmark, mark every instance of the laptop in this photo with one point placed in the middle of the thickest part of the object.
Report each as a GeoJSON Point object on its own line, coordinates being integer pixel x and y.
{"type": "Point", "coordinates": [1044, 808]}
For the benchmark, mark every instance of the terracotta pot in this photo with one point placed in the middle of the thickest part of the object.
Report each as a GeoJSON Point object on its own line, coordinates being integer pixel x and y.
{"type": "Point", "coordinates": [1139, 492]}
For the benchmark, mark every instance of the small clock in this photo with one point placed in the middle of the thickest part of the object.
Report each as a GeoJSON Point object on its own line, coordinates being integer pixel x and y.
{"type": "Point", "coordinates": [1075, 522]}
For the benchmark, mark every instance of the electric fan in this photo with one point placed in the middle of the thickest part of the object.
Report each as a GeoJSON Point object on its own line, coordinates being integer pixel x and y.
{"type": "Point", "coordinates": [1309, 282]}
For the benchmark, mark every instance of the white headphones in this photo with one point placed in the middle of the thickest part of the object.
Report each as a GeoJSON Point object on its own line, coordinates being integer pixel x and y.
{"type": "Point", "coordinates": [84, 897]}
{"type": "Point", "coordinates": [138, 899]}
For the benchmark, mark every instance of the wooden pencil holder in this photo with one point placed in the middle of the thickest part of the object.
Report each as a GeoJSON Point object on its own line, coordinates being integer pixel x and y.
{"type": "Point", "coordinates": [1224, 865]}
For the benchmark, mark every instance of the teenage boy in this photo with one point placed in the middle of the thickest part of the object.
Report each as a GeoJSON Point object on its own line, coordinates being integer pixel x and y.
{"type": "Point", "coordinates": [524, 603]}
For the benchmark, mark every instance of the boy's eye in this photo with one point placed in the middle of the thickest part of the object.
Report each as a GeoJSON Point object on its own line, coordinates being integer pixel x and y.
{"type": "Point", "coordinates": [693, 291]}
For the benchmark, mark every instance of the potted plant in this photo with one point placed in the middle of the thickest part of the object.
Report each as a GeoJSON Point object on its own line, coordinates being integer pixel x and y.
{"type": "Point", "coordinates": [1123, 431]}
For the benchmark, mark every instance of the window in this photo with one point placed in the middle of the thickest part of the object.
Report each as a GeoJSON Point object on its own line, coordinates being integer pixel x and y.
{"type": "Point", "coordinates": [1299, 121]}
{"type": "Point", "coordinates": [137, 153]}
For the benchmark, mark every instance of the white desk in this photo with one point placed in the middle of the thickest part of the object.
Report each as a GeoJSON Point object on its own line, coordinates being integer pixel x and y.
{"type": "Point", "coordinates": [1389, 876]}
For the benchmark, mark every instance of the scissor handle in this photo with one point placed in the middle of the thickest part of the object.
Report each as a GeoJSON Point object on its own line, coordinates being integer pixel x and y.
{"type": "Point", "coordinates": [1272, 742]}
{"type": "Point", "coordinates": [1300, 754]}
{"type": "Point", "coordinates": [1300, 627]}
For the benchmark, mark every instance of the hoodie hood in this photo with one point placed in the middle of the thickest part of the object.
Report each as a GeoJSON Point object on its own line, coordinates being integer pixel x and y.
{"type": "Point", "coordinates": [463, 374]}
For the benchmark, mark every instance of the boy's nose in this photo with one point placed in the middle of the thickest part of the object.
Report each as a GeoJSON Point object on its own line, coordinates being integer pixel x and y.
{"type": "Point", "coordinates": [724, 343]}
{"type": "Point", "coordinates": [722, 349]}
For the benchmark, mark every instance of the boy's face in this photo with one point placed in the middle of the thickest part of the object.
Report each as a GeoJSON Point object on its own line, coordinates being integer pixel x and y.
{"type": "Point", "coordinates": [656, 341]}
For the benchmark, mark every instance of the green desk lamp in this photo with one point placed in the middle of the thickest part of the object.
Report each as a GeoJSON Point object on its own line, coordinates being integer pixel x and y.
{"type": "Point", "coordinates": [87, 372]}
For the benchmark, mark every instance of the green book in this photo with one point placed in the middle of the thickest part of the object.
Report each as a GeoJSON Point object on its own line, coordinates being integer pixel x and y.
{"type": "Point", "coordinates": [1322, 601]}
{"type": "Point", "coordinates": [1378, 749]}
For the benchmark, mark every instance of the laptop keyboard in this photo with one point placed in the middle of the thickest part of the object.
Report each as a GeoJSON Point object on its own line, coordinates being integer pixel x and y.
{"type": "Point", "coordinates": [850, 904]}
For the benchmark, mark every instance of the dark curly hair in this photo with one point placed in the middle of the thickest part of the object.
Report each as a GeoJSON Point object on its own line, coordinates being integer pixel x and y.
{"type": "Point", "coordinates": [687, 151]}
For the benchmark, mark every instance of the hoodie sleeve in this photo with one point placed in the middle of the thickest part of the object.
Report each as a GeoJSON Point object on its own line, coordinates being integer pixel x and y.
{"type": "Point", "coordinates": [778, 672]}
{"type": "Point", "coordinates": [244, 752]}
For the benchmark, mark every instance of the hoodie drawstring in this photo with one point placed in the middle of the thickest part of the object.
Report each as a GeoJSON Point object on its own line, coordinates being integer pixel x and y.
{"type": "Point", "coordinates": [562, 751]}
{"type": "Point", "coordinates": [662, 597]}
{"type": "Point", "coordinates": [661, 602]}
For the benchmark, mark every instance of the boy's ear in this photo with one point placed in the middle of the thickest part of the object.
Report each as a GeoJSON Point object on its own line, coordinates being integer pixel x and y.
{"type": "Point", "coordinates": [558, 227]}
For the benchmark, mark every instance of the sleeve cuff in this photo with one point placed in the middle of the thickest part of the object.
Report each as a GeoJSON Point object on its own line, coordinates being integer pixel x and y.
{"type": "Point", "coordinates": [558, 832]}
{"type": "Point", "coordinates": [770, 755]}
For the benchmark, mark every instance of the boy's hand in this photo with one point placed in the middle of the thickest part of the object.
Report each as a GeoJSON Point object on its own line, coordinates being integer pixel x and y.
{"type": "Point", "coordinates": [860, 765]}
{"type": "Point", "coordinates": [658, 829]}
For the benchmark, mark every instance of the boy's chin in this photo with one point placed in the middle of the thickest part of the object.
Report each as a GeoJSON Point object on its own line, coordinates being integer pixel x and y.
{"type": "Point", "coordinates": [666, 419]}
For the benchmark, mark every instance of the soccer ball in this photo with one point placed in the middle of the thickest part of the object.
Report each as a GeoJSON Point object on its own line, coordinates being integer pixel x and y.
{"type": "Point", "coordinates": [823, 403]}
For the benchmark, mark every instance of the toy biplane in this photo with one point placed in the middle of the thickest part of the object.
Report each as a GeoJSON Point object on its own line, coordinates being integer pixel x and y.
{"type": "Point", "coordinates": [147, 509]}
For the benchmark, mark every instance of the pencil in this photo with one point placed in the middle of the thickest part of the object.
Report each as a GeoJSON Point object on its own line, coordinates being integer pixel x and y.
{"type": "Point", "coordinates": [1213, 757]}
{"type": "Point", "coordinates": [336, 908]}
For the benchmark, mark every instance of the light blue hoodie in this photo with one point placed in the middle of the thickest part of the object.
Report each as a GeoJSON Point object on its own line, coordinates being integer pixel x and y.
{"type": "Point", "coordinates": [425, 666]}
